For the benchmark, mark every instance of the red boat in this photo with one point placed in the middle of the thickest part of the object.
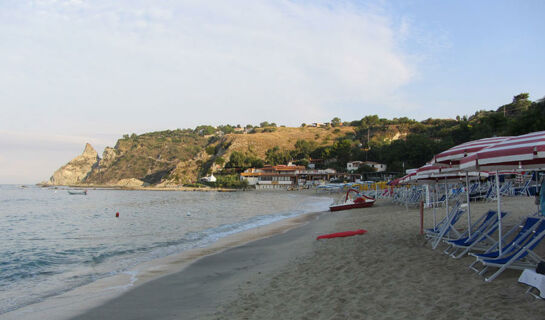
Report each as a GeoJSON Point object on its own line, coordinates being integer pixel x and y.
{"type": "Point", "coordinates": [361, 201]}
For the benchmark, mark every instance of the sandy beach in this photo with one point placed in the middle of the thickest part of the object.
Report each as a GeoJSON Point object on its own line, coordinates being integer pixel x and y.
{"type": "Point", "coordinates": [388, 273]}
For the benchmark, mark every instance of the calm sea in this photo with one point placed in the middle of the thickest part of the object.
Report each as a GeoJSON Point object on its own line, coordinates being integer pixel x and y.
{"type": "Point", "coordinates": [51, 242]}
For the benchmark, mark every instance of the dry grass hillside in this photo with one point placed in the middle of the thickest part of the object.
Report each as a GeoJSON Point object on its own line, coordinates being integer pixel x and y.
{"type": "Point", "coordinates": [284, 137]}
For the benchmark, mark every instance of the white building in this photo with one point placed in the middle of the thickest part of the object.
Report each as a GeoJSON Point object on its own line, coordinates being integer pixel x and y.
{"type": "Point", "coordinates": [355, 165]}
{"type": "Point", "coordinates": [209, 179]}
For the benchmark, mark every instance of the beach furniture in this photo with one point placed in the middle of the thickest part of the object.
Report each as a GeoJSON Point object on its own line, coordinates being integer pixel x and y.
{"type": "Point", "coordinates": [518, 254]}
{"type": "Point", "coordinates": [534, 280]}
{"type": "Point", "coordinates": [480, 238]}
{"type": "Point", "coordinates": [432, 232]}
{"type": "Point", "coordinates": [445, 229]}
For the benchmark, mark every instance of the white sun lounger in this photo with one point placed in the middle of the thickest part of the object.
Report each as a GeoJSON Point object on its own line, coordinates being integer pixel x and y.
{"type": "Point", "coordinates": [533, 280]}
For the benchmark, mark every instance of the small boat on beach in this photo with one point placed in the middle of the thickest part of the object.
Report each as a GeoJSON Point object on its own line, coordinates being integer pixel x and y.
{"type": "Point", "coordinates": [359, 201]}
{"type": "Point", "coordinates": [77, 192]}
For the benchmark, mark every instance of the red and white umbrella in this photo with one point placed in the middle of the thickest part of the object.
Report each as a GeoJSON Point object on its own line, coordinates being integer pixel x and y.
{"type": "Point", "coordinates": [408, 178]}
{"type": "Point", "coordinates": [427, 170]}
{"type": "Point", "coordinates": [516, 153]}
{"type": "Point", "coordinates": [453, 155]}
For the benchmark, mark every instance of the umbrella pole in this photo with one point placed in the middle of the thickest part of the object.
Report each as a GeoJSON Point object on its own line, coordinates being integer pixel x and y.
{"type": "Point", "coordinates": [468, 205]}
{"type": "Point", "coordinates": [434, 206]}
{"type": "Point", "coordinates": [535, 190]}
{"type": "Point", "coordinates": [446, 195]}
{"type": "Point", "coordinates": [498, 195]}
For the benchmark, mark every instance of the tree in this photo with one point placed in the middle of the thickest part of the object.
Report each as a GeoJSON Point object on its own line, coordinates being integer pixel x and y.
{"type": "Point", "coordinates": [303, 148]}
{"type": "Point", "coordinates": [264, 124]}
{"type": "Point", "coordinates": [276, 156]}
{"type": "Point", "coordinates": [335, 122]}
{"type": "Point", "coordinates": [211, 150]}
{"type": "Point", "coordinates": [236, 160]}
{"type": "Point", "coordinates": [205, 130]}
{"type": "Point", "coordinates": [219, 161]}
{"type": "Point", "coordinates": [341, 151]}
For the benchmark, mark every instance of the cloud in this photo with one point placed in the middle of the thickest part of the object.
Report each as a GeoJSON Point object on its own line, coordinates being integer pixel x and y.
{"type": "Point", "coordinates": [157, 64]}
{"type": "Point", "coordinates": [72, 69]}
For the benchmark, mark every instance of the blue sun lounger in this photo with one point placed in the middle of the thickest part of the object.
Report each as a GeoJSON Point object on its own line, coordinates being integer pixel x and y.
{"type": "Point", "coordinates": [517, 254]}
{"type": "Point", "coordinates": [480, 239]}
{"type": "Point", "coordinates": [445, 229]}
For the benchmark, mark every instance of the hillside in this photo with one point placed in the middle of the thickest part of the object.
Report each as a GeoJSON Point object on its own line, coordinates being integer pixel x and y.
{"type": "Point", "coordinates": [181, 157]}
{"type": "Point", "coordinates": [178, 157]}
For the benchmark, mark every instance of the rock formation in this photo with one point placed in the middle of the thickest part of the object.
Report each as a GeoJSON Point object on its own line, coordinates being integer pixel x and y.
{"type": "Point", "coordinates": [75, 171]}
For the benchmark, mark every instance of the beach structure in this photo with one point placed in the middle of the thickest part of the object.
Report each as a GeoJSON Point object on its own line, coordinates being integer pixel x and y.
{"type": "Point", "coordinates": [355, 165]}
{"type": "Point", "coordinates": [284, 176]}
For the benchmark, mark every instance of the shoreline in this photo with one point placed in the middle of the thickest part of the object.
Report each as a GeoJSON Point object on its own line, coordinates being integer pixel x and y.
{"type": "Point", "coordinates": [388, 273]}
{"type": "Point", "coordinates": [138, 188]}
{"type": "Point", "coordinates": [80, 299]}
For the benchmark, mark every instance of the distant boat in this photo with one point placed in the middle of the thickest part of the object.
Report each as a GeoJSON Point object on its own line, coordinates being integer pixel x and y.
{"type": "Point", "coordinates": [361, 201]}
{"type": "Point", "coordinates": [80, 192]}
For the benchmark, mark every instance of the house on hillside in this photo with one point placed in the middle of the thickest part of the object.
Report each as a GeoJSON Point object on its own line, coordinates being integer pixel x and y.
{"type": "Point", "coordinates": [355, 165]}
{"type": "Point", "coordinates": [211, 178]}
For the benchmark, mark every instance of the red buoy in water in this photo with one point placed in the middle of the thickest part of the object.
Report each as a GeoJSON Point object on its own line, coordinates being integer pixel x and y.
{"type": "Point", "coordinates": [117, 214]}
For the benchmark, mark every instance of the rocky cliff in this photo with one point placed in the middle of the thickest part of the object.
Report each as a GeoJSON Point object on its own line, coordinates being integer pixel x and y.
{"type": "Point", "coordinates": [77, 170]}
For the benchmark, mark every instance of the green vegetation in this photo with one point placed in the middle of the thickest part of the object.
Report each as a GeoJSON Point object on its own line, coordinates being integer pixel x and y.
{"type": "Point", "coordinates": [231, 181]}
{"type": "Point", "coordinates": [242, 161]}
{"type": "Point", "coordinates": [181, 156]}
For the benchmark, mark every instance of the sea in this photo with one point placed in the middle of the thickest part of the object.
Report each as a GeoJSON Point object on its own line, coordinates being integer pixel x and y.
{"type": "Point", "coordinates": [52, 242]}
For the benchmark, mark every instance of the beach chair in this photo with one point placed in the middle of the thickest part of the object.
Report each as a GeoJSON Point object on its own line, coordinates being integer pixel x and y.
{"type": "Point", "coordinates": [480, 239]}
{"type": "Point", "coordinates": [518, 254]}
{"type": "Point", "coordinates": [445, 229]}
{"type": "Point", "coordinates": [432, 232]}
{"type": "Point", "coordinates": [533, 280]}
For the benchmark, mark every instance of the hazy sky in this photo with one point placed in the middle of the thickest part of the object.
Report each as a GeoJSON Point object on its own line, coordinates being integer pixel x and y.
{"type": "Point", "coordinates": [76, 71]}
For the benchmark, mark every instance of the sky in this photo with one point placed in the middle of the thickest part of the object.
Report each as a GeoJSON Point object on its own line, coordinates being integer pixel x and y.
{"type": "Point", "coordinates": [77, 71]}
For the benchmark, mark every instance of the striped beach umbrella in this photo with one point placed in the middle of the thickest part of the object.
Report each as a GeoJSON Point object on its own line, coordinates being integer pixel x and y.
{"type": "Point", "coordinates": [452, 156]}
{"type": "Point", "coordinates": [516, 153]}
{"type": "Point", "coordinates": [525, 152]}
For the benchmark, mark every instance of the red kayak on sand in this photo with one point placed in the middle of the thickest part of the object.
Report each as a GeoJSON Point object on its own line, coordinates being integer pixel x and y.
{"type": "Point", "coordinates": [341, 234]}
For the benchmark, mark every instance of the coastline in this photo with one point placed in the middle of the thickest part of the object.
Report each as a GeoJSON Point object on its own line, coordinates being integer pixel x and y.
{"type": "Point", "coordinates": [118, 187]}
{"type": "Point", "coordinates": [81, 299]}
{"type": "Point", "coordinates": [281, 269]}
{"type": "Point", "coordinates": [388, 273]}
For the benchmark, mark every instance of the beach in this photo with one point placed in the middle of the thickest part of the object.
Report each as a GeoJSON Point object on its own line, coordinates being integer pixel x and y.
{"type": "Point", "coordinates": [388, 273]}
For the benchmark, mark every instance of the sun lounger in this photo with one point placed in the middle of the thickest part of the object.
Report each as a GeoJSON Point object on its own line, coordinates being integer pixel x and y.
{"type": "Point", "coordinates": [480, 239]}
{"type": "Point", "coordinates": [520, 231]}
{"type": "Point", "coordinates": [517, 255]}
{"type": "Point", "coordinates": [445, 229]}
{"type": "Point", "coordinates": [433, 232]}
{"type": "Point", "coordinates": [533, 280]}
